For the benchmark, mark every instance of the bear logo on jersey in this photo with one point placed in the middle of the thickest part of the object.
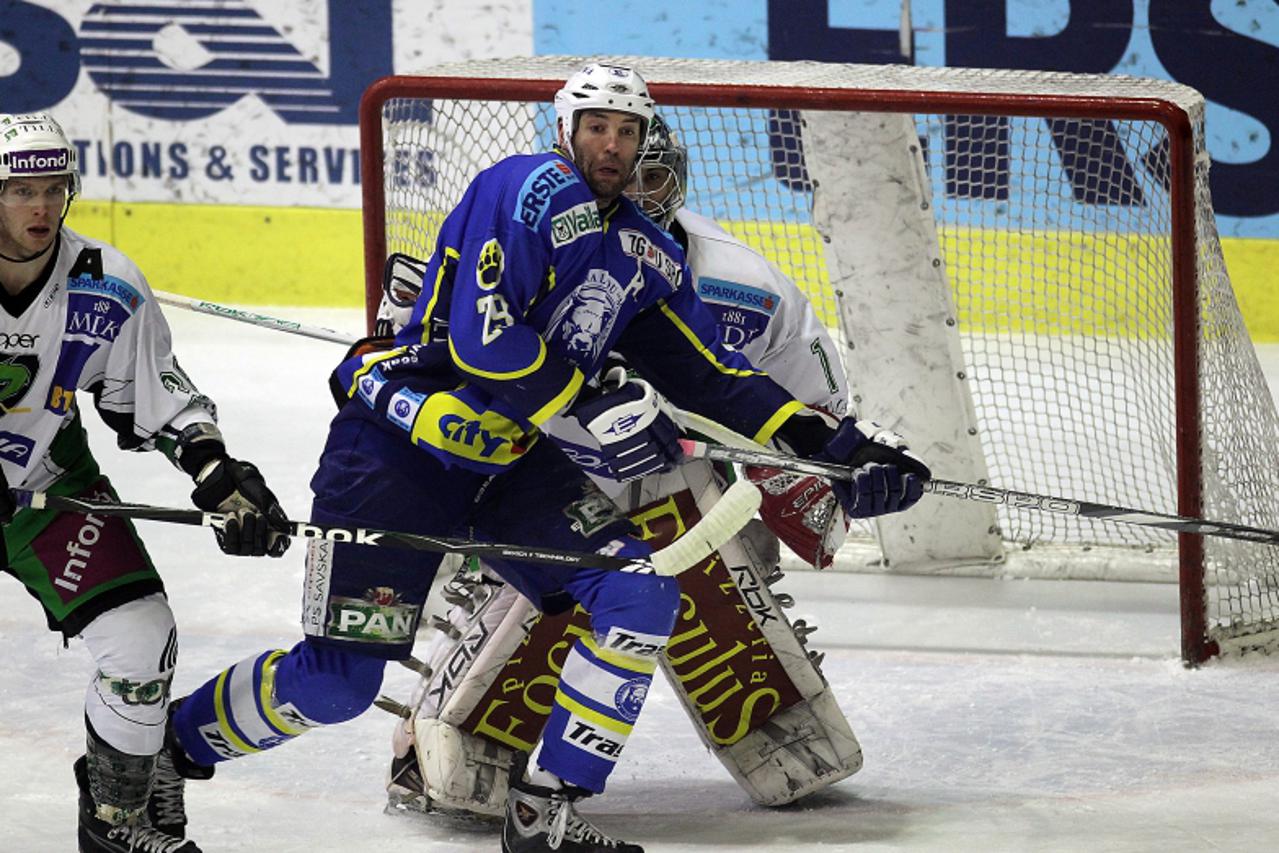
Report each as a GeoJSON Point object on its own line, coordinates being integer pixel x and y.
{"type": "Point", "coordinates": [584, 321]}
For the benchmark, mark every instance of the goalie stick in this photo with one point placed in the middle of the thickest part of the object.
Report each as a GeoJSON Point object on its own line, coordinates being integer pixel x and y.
{"type": "Point", "coordinates": [993, 495]}
{"type": "Point", "coordinates": [730, 514]}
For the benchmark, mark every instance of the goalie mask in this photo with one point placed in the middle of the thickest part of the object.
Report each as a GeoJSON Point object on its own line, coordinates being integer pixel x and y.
{"type": "Point", "coordinates": [662, 174]}
{"type": "Point", "coordinates": [598, 86]}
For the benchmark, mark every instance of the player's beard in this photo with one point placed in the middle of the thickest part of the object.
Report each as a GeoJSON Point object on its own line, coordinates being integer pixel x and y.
{"type": "Point", "coordinates": [608, 187]}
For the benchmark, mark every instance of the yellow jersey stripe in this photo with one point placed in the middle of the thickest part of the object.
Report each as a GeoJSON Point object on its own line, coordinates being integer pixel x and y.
{"type": "Point", "coordinates": [449, 252]}
{"type": "Point", "coordinates": [369, 365]}
{"type": "Point", "coordinates": [645, 666]}
{"type": "Point", "coordinates": [220, 709]}
{"type": "Point", "coordinates": [490, 374]}
{"type": "Point", "coordinates": [700, 347]}
{"type": "Point", "coordinates": [560, 400]}
{"type": "Point", "coordinates": [774, 423]}
{"type": "Point", "coordinates": [575, 707]}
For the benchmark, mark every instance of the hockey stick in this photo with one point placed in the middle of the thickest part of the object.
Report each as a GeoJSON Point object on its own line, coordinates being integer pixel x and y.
{"type": "Point", "coordinates": [993, 495]}
{"type": "Point", "coordinates": [734, 508]}
{"type": "Point", "coordinates": [730, 514]}
{"type": "Point", "coordinates": [201, 306]}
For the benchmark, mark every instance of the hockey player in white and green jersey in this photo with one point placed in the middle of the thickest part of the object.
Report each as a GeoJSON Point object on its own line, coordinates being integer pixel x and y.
{"type": "Point", "coordinates": [79, 316]}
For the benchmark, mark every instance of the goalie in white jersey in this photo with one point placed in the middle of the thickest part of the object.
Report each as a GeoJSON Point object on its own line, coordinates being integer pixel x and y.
{"type": "Point", "coordinates": [79, 315]}
{"type": "Point", "coordinates": [451, 748]}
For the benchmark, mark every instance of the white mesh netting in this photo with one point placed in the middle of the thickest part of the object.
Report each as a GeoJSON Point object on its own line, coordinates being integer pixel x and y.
{"type": "Point", "coordinates": [1057, 241]}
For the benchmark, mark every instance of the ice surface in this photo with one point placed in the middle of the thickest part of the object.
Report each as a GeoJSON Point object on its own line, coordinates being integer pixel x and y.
{"type": "Point", "coordinates": [995, 715]}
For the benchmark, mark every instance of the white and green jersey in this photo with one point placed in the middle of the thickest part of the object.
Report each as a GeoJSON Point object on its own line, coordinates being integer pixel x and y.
{"type": "Point", "coordinates": [92, 325]}
{"type": "Point", "coordinates": [763, 315]}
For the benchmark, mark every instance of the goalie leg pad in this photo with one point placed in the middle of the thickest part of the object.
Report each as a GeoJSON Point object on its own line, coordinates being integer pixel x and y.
{"type": "Point", "coordinates": [459, 770]}
{"type": "Point", "coordinates": [462, 773]}
{"type": "Point", "coordinates": [745, 678]}
{"type": "Point", "coordinates": [802, 749]}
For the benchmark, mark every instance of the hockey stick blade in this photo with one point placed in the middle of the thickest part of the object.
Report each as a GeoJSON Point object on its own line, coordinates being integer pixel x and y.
{"type": "Point", "coordinates": [733, 510]}
{"type": "Point", "coordinates": [730, 513]}
{"type": "Point", "coordinates": [993, 495]}
{"type": "Point", "coordinates": [201, 306]}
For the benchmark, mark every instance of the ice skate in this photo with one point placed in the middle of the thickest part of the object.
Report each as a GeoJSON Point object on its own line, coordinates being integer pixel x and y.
{"type": "Point", "coordinates": [136, 835]}
{"type": "Point", "coordinates": [541, 819]}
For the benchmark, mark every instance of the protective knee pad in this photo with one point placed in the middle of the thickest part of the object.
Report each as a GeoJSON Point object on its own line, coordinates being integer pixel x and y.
{"type": "Point", "coordinates": [327, 684]}
{"type": "Point", "coordinates": [135, 649]}
{"type": "Point", "coordinates": [631, 603]}
{"type": "Point", "coordinates": [271, 698]}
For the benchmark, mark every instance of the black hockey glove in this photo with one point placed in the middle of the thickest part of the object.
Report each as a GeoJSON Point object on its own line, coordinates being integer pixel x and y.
{"type": "Point", "coordinates": [888, 478]}
{"type": "Point", "coordinates": [257, 524]}
{"type": "Point", "coordinates": [637, 437]}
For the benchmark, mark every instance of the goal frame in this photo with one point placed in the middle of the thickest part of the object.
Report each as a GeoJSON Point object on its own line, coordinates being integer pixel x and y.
{"type": "Point", "coordinates": [1196, 645]}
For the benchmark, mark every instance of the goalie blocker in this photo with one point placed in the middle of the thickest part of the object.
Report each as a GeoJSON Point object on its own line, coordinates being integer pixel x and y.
{"type": "Point", "coordinates": [746, 680]}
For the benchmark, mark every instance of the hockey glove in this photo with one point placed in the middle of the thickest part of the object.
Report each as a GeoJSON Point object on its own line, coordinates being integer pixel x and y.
{"type": "Point", "coordinates": [802, 511]}
{"type": "Point", "coordinates": [888, 478]}
{"type": "Point", "coordinates": [401, 285]}
{"type": "Point", "coordinates": [256, 523]}
{"type": "Point", "coordinates": [636, 436]}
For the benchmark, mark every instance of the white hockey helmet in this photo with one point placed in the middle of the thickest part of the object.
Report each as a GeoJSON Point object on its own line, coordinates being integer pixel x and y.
{"type": "Point", "coordinates": [663, 152]}
{"type": "Point", "coordinates": [33, 145]}
{"type": "Point", "coordinates": [599, 86]}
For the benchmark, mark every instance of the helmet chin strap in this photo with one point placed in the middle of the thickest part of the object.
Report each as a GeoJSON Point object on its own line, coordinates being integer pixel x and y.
{"type": "Point", "coordinates": [30, 258]}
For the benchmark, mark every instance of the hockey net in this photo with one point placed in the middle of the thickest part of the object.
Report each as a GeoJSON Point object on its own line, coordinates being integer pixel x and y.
{"type": "Point", "coordinates": [1023, 267]}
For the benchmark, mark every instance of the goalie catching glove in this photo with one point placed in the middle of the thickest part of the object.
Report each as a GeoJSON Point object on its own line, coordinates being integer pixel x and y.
{"type": "Point", "coordinates": [256, 524]}
{"type": "Point", "coordinates": [802, 511]}
{"type": "Point", "coordinates": [636, 434]}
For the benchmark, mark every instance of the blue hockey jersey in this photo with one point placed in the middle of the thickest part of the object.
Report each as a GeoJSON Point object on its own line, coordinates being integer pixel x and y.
{"type": "Point", "coordinates": [529, 288]}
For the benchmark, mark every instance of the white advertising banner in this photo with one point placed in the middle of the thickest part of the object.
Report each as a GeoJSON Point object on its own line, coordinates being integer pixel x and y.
{"type": "Point", "coordinates": [221, 102]}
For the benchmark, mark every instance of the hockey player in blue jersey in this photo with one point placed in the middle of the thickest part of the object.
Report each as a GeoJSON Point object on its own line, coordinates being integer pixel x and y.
{"type": "Point", "coordinates": [540, 270]}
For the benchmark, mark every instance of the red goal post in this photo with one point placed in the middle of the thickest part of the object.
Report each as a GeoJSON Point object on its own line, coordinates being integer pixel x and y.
{"type": "Point", "coordinates": [1026, 263]}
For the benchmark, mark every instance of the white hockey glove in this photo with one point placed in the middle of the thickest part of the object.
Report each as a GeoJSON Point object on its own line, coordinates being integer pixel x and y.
{"type": "Point", "coordinates": [889, 478]}
{"type": "Point", "coordinates": [257, 525]}
{"type": "Point", "coordinates": [637, 436]}
{"type": "Point", "coordinates": [401, 285]}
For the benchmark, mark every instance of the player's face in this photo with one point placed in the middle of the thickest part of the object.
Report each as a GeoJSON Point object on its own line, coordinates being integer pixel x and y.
{"type": "Point", "coordinates": [30, 213]}
{"type": "Point", "coordinates": [651, 188]}
{"type": "Point", "coordinates": [605, 146]}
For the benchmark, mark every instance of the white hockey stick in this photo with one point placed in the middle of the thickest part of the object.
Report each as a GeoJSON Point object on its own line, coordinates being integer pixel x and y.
{"type": "Point", "coordinates": [730, 514]}
{"type": "Point", "coordinates": [201, 306]}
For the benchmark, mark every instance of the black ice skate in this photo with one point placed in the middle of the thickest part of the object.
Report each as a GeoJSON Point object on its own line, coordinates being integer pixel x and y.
{"type": "Point", "coordinates": [540, 820]}
{"type": "Point", "coordinates": [166, 808]}
{"type": "Point", "coordinates": [98, 836]}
